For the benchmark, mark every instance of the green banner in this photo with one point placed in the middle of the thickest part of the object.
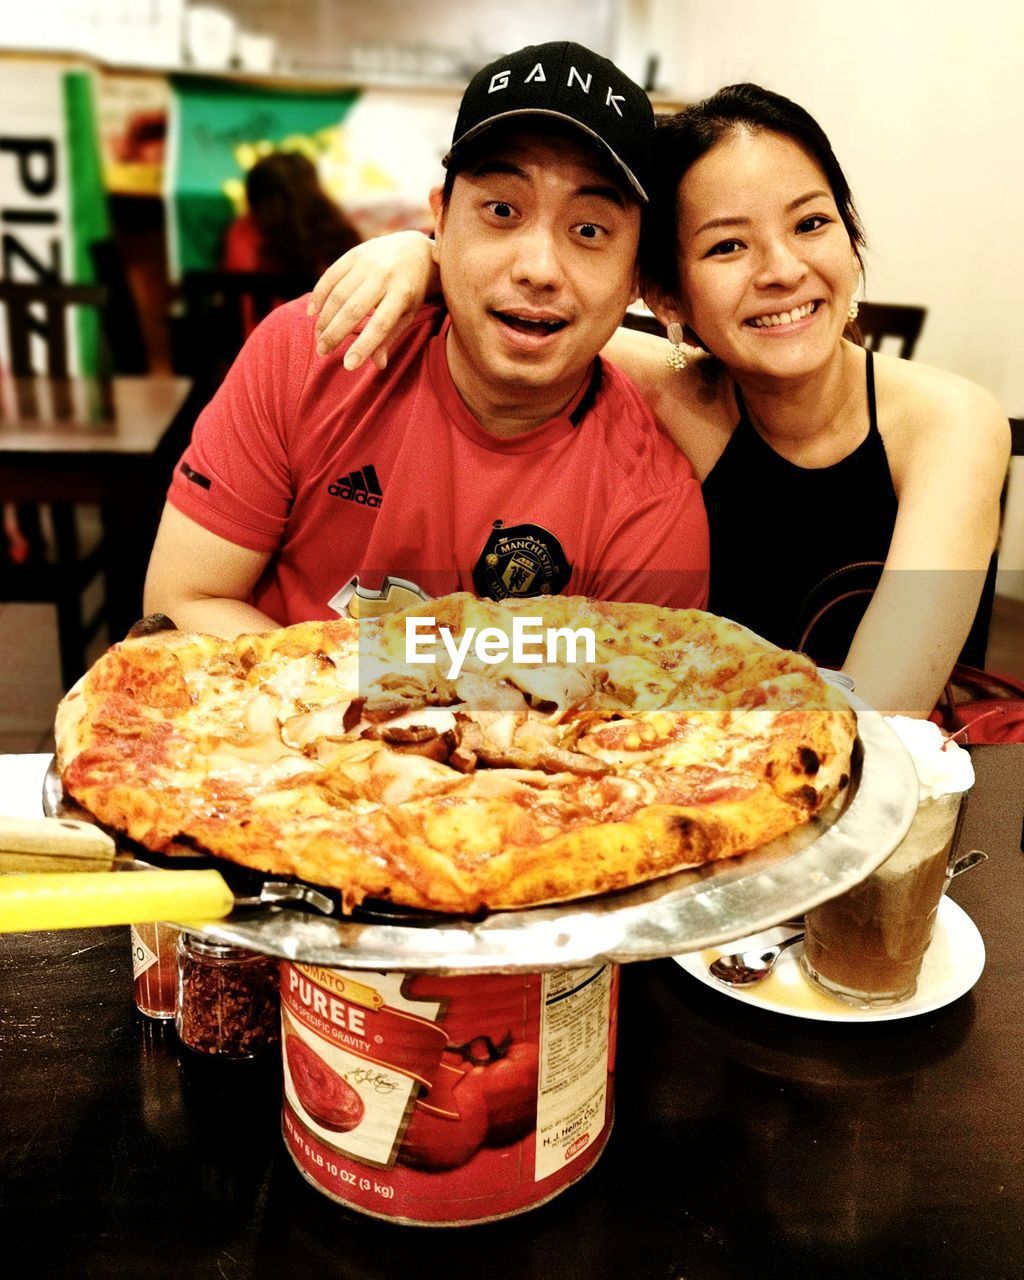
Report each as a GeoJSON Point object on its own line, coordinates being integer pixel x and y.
{"type": "Point", "coordinates": [51, 191]}
{"type": "Point", "coordinates": [218, 131]}
{"type": "Point", "coordinates": [89, 214]}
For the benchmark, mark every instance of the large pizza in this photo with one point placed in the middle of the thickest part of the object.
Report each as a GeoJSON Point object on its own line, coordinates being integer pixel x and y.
{"type": "Point", "coordinates": [501, 780]}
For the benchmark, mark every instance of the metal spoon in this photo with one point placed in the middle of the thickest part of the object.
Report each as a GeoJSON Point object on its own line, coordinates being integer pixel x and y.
{"type": "Point", "coordinates": [744, 968]}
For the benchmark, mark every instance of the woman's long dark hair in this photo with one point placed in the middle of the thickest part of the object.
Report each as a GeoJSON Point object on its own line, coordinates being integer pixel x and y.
{"type": "Point", "coordinates": [301, 228]}
{"type": "Point", "coordinates": [682, 139]}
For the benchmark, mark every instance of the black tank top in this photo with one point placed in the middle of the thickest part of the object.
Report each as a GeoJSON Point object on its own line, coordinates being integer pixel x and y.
{"type": "Point", "coordinates": [778, 529]}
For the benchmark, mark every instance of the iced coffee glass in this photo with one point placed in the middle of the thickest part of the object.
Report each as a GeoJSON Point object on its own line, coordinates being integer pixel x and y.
{"type": "Point", "coordinates": [866, 946]}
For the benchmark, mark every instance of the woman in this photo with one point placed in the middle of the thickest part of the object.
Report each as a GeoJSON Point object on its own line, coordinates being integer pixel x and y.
{"type": "Point", "coordinates": [293, 226]}
{"type": "Point", "coordinates": [812, 454]}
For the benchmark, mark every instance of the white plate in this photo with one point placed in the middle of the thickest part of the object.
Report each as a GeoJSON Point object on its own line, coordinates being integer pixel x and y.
{"type": "Point", "coordinates": [952, 965]}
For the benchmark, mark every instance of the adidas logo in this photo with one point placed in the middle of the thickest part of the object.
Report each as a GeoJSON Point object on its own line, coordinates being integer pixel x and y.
{"type": "Point", "coordinates": [360, 486]}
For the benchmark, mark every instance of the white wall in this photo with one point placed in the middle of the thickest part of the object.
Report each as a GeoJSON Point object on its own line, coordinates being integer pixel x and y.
{"type": "Point", "coordinates": [923, 101]}
{"type": "Point", "coordinates": [331, 30]}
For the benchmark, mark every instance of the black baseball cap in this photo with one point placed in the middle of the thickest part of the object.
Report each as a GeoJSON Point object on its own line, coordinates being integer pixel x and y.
{"type": "Point", "coordinates": [564, 80]}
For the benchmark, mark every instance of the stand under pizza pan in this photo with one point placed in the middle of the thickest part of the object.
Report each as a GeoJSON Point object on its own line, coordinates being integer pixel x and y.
{"type": "Point", "coordinates": [687, 911]}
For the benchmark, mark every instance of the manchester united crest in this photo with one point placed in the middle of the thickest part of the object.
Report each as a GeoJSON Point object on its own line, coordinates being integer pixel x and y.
{"type": "Point", "coordinates": [524, 560]}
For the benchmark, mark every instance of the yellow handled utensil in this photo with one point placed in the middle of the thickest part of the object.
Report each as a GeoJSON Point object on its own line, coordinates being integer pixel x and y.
{"type": "Point", "coordinates": [58, 874]}
{"type": "Point", "coordinates": [48, 900]}
{"type": "Point", "coordinates": [37, 891]}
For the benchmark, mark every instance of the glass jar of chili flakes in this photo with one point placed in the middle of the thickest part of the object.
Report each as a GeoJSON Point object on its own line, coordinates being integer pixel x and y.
{"type": "Point", "coordinates": [227, 998]}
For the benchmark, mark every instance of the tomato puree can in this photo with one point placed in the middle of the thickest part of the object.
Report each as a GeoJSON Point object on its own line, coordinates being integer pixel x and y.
{"type": "Point", "coordinates": [446, 1101]}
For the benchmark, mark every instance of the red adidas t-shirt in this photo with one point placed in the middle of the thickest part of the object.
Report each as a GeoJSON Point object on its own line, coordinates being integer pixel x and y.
{"type": "Point", "coordinates": [368, 475]}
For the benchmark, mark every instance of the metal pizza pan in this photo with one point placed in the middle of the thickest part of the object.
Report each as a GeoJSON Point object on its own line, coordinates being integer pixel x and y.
{"type": "Point", "coordinates": [686, 911]}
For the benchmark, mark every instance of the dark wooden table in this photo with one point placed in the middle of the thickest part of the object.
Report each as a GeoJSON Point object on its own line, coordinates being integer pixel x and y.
{"type": "Point", "coordinates": [746, 1144]}
{"type": "Point", "coordinates": [88, 440]}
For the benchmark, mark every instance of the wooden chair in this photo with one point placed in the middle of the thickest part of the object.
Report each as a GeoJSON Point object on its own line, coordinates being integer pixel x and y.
{"type": "Point", "coordinates": [880, 320]}
{"type": "Point", "coordinates": [42, 311]}
{"type": "Point", "coordinates": [122, 323]}
{"type": "Point", "coordinates": [221, 308]}
{"type": "Point", "coordinates": [57, 564]}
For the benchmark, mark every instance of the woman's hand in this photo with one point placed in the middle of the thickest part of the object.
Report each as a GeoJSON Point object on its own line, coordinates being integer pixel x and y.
{"type": "Point", "coordinates": [390, 277]}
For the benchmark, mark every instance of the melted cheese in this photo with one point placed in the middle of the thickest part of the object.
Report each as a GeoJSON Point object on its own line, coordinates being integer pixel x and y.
{"type": "Point", "coordinates": [254, 772]}
{"type": "Point", "coordinates": [441, 719]}
{"type": "Point", "coordinates": [397, 777]}
{"type": "Point", "coordinates": [639, 683]}
{"type": "Point", "coordinates": [564, 687]}
{"type": "Point", "coordinates": [307, 680]}
{"type": "Point", "coordinates": [310, 726]}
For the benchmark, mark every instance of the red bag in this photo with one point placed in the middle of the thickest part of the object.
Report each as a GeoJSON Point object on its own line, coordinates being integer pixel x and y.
{"type": "Point", "coordinates": [981, 706]}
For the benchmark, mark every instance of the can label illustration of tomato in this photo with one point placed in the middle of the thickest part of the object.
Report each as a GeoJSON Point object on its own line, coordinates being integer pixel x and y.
{"type": "Point", "coordinates": [446, 1100]}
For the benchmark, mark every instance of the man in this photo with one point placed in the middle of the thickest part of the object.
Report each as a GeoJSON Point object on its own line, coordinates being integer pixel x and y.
{"type": "Point", "coordinates": [496, 454]}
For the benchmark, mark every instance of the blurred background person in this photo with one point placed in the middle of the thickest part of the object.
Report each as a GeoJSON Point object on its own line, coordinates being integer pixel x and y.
{"type": "Point", "coordinates": [293, 226]}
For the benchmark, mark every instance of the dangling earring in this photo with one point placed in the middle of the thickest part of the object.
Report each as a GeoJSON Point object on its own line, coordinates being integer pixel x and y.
{"type": "Point", "coordinates": [676, 358]}
{"type": "Point", "coordinates": [852, 311]}
{"type": "Point", "coordinates": [682, 354]}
